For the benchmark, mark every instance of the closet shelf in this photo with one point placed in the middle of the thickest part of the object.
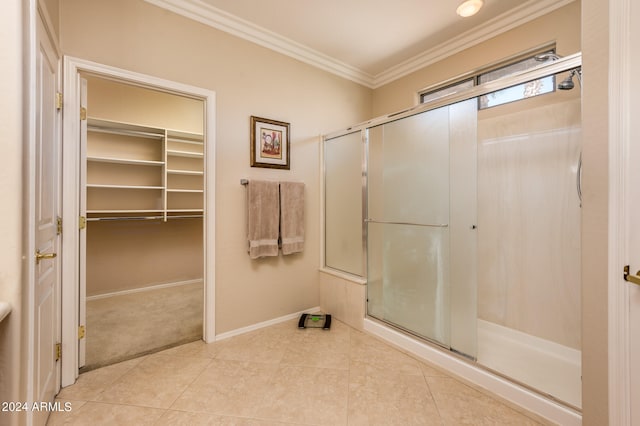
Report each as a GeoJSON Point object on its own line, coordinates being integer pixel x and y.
{"type": "Point", "coordinates": [128, 211]}
{"type": "Point", "coordinates": [108, 186]}
{"type": "Point", "coordinates": [189, 154]}
{"type": "Point", "coordinates": [185, 210]}
{"type": "Point", "coordinates": [195, 191]}
{"type": "Point", "coordinates": [185, 172]}
{"type": "Point", "coordinates": [185, 137]}
{"type": "Point", "coordinates": [114, 160]}
{"type": "Point", "coordinates": [122, 128]}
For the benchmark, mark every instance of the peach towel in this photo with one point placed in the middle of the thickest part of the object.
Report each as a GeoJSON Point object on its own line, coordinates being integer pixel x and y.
{"type": "Point", "coordinates": [292, 217]}
{"type": "Point", "coordinates": [263, 213]}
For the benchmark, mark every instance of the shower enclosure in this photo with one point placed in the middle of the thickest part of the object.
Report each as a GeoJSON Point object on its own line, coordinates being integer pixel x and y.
{"type": "Point", "coordinates": [463, 215]}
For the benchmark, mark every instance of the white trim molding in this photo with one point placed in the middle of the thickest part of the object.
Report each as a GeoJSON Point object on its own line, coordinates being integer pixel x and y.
{"type": "Point", "coordinates": [263, 324]}
{"type": "Point", "coordinates": [620, 54]}
{"type": "Point", "coordinates": [206, 14]}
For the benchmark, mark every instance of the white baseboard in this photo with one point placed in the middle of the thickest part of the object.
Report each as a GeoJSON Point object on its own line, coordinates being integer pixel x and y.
{"type": "Point", "coordinates": [142, 289]}
{"type": "Point", "coordinates": [499, 386]}
{"type": "Point", "coordinates": [263, 324]}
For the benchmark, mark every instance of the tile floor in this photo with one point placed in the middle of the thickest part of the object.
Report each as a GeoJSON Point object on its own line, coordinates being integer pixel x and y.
{"type": "Point", "coordinates": [280, 375]}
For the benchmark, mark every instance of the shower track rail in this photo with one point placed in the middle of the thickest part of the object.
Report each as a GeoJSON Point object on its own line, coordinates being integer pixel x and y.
{"type": "Point", "coordinates": [386, 222]}
{"type": "Point", "coordinates": [567, 63]}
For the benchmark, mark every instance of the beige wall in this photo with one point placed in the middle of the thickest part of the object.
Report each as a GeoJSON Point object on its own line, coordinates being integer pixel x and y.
{"type": "Point", "coordinates": [50, 9]}
{"type": "Point", "coordinates": [561, 26]}
{"type": "Point", "coordinates": [11, 120]}
{"type": "Point", "coordinates": [248, 80]}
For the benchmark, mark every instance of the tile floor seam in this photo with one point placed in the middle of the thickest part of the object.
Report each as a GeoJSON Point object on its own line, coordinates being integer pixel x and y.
{"type": "Point", "coordinates": [196, 377]}
{"type": "Point", "coordinates": [433, 398]}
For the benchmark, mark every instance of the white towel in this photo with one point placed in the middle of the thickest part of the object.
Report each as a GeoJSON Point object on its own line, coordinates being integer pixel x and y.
{"type": "Point", "coordinates": [292, 217]}
{"type": "Point", "coordinates": [262, 218]}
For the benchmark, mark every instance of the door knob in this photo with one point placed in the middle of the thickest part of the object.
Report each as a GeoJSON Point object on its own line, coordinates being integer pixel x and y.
{"type": "Point", "coordinates": [629, 277]}
{"type": "Point", "coordinates": [40, 256]}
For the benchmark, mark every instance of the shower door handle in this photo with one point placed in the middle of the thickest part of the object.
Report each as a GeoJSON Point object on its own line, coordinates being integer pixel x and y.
{"type": "Point", "coordinates": [579, 179]}
{"type": "Point", "coordinates": [629, 277]}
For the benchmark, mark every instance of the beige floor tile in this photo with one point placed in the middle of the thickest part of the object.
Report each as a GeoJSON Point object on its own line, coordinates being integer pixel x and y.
{"type": "Point", "coordinates": [265, 346]}
{"type": "Point", "coordinates": [460, 404]}
{"type": "Point", "coordinates": [65, 415]}
{"type": "Point", "coordinates": [390, 399]}
{"type": "Point", "coordinates": [368, 350]}
{"type": "Point", "coordinates": [280, 375]}
{"type": "Point", "coordinates": [319, 348]}
{"type": "Point", "coordinates": [92, 383]}
{"type": "Point", "coordinates": [306, 395]}
{"type": "Point", "coordinates": [197, 349]}
{"type": "Point", "coordinates": [228, 387]}
{"type": "Point", "coordinates": [432, 371]}
{"type": "Point", "coordinates": [156, 382]}
{"type": "Point", "coordinates": [101, 414]}
{"type": "Point", "coordinates": [184, 418]}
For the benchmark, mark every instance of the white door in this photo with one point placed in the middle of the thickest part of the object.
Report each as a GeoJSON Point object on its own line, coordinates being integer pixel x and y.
{"type": "Point", "coordinates": [46, 294]}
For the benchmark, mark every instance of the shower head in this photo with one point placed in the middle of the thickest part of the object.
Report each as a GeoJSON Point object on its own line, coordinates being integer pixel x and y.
{"type": "Point", "coordinates": [543, 57]}
{"type": "Point", "coordinates": [567, 83]}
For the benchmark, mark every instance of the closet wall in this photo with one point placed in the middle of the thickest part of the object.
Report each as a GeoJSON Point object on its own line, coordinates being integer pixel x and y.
{"type": "Point", "coordinates": [144, 239]}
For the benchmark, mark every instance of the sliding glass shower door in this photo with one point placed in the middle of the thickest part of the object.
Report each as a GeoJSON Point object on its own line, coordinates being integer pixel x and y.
{"type": "Point", "coordinates": [414, 177]}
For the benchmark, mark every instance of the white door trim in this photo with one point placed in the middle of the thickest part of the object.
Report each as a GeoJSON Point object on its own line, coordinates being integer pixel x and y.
{"type": "Point", "coordinates": [70, 204]}
{"type": "Point", "coordinates": [619, 140]}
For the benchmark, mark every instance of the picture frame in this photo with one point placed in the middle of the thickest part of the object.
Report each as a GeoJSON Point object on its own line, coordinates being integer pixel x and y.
{"type": "Point", "coordinates": [270, 144]}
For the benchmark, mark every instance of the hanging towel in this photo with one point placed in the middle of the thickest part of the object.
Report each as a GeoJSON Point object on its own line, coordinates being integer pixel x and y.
{"type": "Point", "coordinates": [262, 218]}
{"type": "Point", "coordinates": [292, 217]}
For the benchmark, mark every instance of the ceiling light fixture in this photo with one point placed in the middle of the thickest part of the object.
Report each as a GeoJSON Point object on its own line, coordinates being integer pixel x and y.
{"type": "Point", "coordinates": [469, 8]}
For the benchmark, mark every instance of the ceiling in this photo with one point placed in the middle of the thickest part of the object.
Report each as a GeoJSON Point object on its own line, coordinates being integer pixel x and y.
{"type": "Point", "coordinates": [371, 42]}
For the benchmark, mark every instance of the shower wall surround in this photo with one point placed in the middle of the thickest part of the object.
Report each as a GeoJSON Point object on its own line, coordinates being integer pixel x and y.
{"type": "Point", "coordinates": [529, 221]}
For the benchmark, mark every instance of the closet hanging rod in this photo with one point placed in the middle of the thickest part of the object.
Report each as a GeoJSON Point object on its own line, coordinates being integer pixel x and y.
{"type": "Point", "coordinates": [116, 218]}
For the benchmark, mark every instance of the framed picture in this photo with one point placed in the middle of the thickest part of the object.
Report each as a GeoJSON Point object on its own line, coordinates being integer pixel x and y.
{"type": "Point", "coordinates": [269, 143]}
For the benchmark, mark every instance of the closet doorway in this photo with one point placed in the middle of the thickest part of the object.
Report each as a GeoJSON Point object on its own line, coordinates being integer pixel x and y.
{"type": "Point", "coordinates": [145, 201]}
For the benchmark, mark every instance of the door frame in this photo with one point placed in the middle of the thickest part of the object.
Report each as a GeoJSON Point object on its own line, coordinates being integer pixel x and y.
{"type": "Point", "coordinates": [70, 197]}
{"type": "Point", "coordinates": [621, 90]}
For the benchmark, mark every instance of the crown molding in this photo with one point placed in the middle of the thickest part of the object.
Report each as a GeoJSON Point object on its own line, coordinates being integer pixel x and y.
{"type": "Point", "coordinates": [224, 21]}
{"type": "Point", "coordinates": [216, 18]}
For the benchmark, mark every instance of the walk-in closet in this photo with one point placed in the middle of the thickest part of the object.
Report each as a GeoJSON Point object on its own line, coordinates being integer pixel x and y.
{"type": "Point", "coordinates": [142, 203]}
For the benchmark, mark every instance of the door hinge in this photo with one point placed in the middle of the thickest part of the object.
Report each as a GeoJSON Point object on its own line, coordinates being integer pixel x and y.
{"type": "Point", "coordinates": [83, 113]}
{"type": "Point", "coordinates": [59, 100]}
{"type": "Point", "coordinates": [82, 222]}
{"type": "Point", "coordinates": [81, 332]}
{"type": "Point", "coordinates": [58, 350]}
{"type": "Point", "coordinates": [59, 225]}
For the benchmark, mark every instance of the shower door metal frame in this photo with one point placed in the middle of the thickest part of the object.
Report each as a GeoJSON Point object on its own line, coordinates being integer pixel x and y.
{"type": "Point", "coordinates": [566, 63]}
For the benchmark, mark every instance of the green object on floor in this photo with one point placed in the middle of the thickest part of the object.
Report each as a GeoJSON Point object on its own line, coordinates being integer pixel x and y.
{"type": "Point", "coordinates": [315, 321]}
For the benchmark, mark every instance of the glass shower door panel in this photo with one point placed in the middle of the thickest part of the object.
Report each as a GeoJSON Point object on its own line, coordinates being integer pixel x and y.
{"type": "Point", "coordinates": [408, 211]}
{"type": "Point", "coordinates": [344, 249]}
{"type": "Point", "coordinates": [413, 286]}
